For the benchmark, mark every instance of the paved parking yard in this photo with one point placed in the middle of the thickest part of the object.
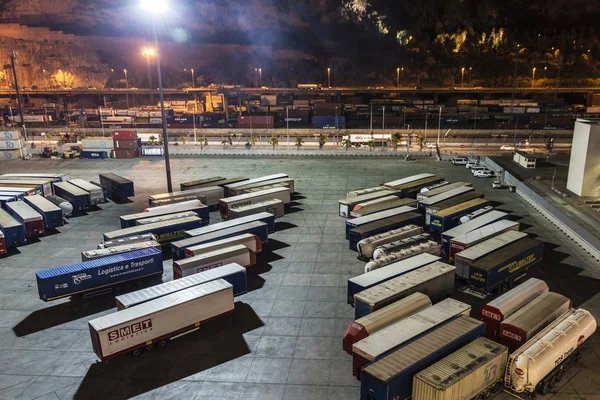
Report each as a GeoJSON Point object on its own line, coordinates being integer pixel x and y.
{"type": "Point", "coordinates": [284, 339]}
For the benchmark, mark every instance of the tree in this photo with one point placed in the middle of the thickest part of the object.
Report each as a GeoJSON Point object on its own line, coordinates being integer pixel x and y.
{"type": "Point", "coordinates": [253, 140]}
{"type": "Point", "coordinates": [420, 141]}
{"type": "Point", "coordinates": [371, 144]}
{"type": "Point", "coordinates": [273, 141]}
{"type": "Point", "coordinates": [347, 143]}
{"type": "Point", "coordinates": [184, 140]}
{"type": "Point", "coordinates": [396, 137]}
{"type": "Point", "coordinates": [203, 142]}
{"type": "Point", "coordinates": [152, 140]}
{"type": "Point", "coordinates": [322, 140]}
{"type": "Point", "coordinates": [227, 141]}
{"type": "Point", "coordinates": [299, 142]}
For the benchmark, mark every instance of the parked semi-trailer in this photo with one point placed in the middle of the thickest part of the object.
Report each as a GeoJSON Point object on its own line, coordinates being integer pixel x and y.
{"type": "Point", "coordinates": [391, 377]}
{"type": "Point", "coordinates": [229, 203]}
{"type": "Point", "coordinates": [361, 192]}
{"type": "Point", "coordinates": [454, 201]}
{"type": "Point", "coordinates": [14, 231]}
{"type": "Point", "coordinates": [181, 199]}
{"type": "Point", "coordinates": [429, 247]}
{"type": "Point", "coordinates": [434, 200]}
{"type": "Point", "coordinates": [124, 248]}
{"type": "Point", "coordinates": [19, 191]}
{"type": "Point", "coordinates": [233, 273]}
{"type": "Point", "coordinates": [43, 186]}
{"type": "Point", "coordinates": [544, 360]}
{"type": "Point", "coordinates": [468, 257]}
{"type": "Point", "coordinates": [164, 218]}
{"type": "Point", "coordinates": [373, 228]}
{"type": "Point", "coordinates": [79, 198]}
{"type": "Point", "coordinates": [165, 232]}
{"type": "Point", "coordinates": [229, 181]}
{"type": "Point", "coordinates": [367, 246]}
{"type": "Point", "coordinates": [435, 280]}
{"type": "Point", "coordinates": [127, 240]}
{"type": "Point", "coordinates": [274, 206]}
{"type": "Point", "coordinates": [156, 322]}
{"type": "Point", "coordinates": [252, 242]}
{"type": "Point", "coordinates": [380, 216]}
{"type": "Point", "coordinates": [283, 182]}
{"type": "Point", "coordinates": [393, 247]}
{"type": "Point", "coordinates": [231, 187]}
{"type": "Point", "coordinates": [347, 205]}
{"type": "Point", "coordinates": [119, 188]}
{"type": "Point", "coordinates": [238, 254]}
{"type": "Point", "coordinates": [408, 179]}
{"type": "Point", "coordinates": [439, 190]}
{"type": "Point", "coordinates": [256, 228]}
{"type": "Point", "coordinates": [368, 325]}
{"type": "Point", "coordinates": [129, 221]}
{"type": "Point", "coordinates": [411, 189]}
{"type": "Point", "coordinates": [469, 226]}
{"type": "Point", "coordinates": [496, 311]}
{"type": "Point", "coordinates": [201, 183]}
{"type": "Point", "coordinates": [96, 192]}
{"type": "Point", "coordinates": [51, 214]}
{"type": "Point", "coordinates": [532, 318]}
{"type": "Point", "coordinates": [472, 372]}
{"type": "Point", "coordinates": [468, 240]}
{"type": "Point", "coordinates": [265, 217]}
{"type": "Point", "coordinates": [97, 275]}
{"type": "Point", "coordinates": [379, 344]}
{"type": "Point", "coordinates": [449, 218]}
{"type": "Point", "coordinates": [379, 205]}
{"type": "Point", "coordinates": [211, 195]}
{"type": "Point", "coordinates": [31, 219]}
{"type": "Point", "coordinates": [365, 281]}
{"type": "Point", "coordinates": [175, 206]}
{"type": "Point", "coordinates": [53, 177]}
{"type": "Point", "coordinates": [3, 248]}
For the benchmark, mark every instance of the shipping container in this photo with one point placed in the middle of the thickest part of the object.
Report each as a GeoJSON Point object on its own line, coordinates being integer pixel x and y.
{"type": "Point", "coordinates": [12, 135]}
{"type": "Point", "coordinates": [175, 206]}
{"type": "Point", "coordinates": [368, 325]}
{"type": "Point", "coordinates": [118, 187]}
{"type": "Point", "coordinates": [468, 257]}
{"type": "Point", "coordinates": [400, 333]}
{"type": "Point", "coordinates": [261, 185]}
{"type": "Point", "coordinates": [211, 195]}
{"type": "Point", "coordinates": [449, 218]}
{"type": "Point", "coordinates": [534, 316]}
{"type": "Point", "coordinates": [502, 268]}
{"type": "Point", "coordinates": [391, 377]}
{"type": "Point", "coordinates": [97, 143]}
{"type": "Point", "coordinates": [79, 198]}
{"type": "Point", "coordinates": [231, 187]}
{"type": "Point", "coordinates": [98, 274]}
{"type": "Point", "coordinates": [496, 311]}
{"type": "Point", "coordinates": [265, 217]}
{"type": "Point", "coordinates": [258, 228]}
{"type": "Point", "coordinates": [96, 192]}
{"type": "Point", "coordinates": [439, 198]}
{"type": "Point", "coordinates": [378, 205]}
{"type": "Point", "coordinates": [201, 183]}
{"type": "Point", "coordinates": [252, 242]}
{"type": "Point", "coordinates": [397, 221]}
{"type": "Point", "coordinates": [228, 203]}
{"type": "Point", "coordinates": [469, 239]}
{"type": "Point", "coordinates": [31, 219]}
{"type": "Point", "coordinates": [43, 186]}
{"type": "Point", "coordinates": [346, 205]}
{"type": "Point", "coordinates": [380, 216]}
{"type": "Point", "coordinates": [51, 214]}
{"type": "Point", "coordinates": [544, 360]}
{"type": "Point", "coordinates": [473, 371]}
{"type": "Point", "coordinates": [368, 280]}
{"type": "Point", "coordinates": [36, 175]}
{"type": "Point", "coordinates": [275, 207]}
{"type": "Point", "coordinates": [125, 153]}
{"type": "Point", "coordinates": [124, 135]}
{"type": "Point", "coordinates": [329, 122]}
{"type": "Point", "coordinates": [451, 202]}
{"type": "Point", "coordinates": [362, 192]}
{"type": "Point", "coordinates": [124, 248]}
{"type": "Point", "coordinates": [94, 154]}
{"type": "Point", "coordinates": [238, 254]}
{"type": "Point", "coordinates": [158, 321]}
{"type": "Point", "coordinates": [367, 246]}
{"type": "Point", "coordinates": [127, 240]}
{"type": "Point", "coordinates": [165, 232]}
{"type": "Point", "coordinates": [13, 230]}
{"type": "Point", "coordinates": [398, 245]}
{"type": "Point", "coordinates": [411, 189]}
{"type": "Point", "coordinates": [128, 221]}
{"type": "Point", "coordinates": [406, 180]}
{"type": "Point", "coordinates": [435, 280]}
{"type": "Point", "coordinates": [255, 121]}
{"type": "Point", "coordinates": [470, 226]}
{"type": "Point", "coordinates": [232, 273]}
{"type": "Point", "coordinates": [163, 218]}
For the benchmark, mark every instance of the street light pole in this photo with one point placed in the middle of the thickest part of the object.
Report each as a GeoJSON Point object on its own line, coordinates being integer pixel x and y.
{"type": "Point", "coordinates": [533, 77]}
{"type": "Point", "coordinates": [398, 77]}
{"type": "Point", "coordinates": [255, 77]}
{"type": "Point", "coordinates": [126, 87]}
{"type": "Point", "coordinates": [328, 77]}
{"type": "Point", "coordinates": [192, 78]}
{"type": "Point", "coordinates": [439, 127]}
{"type": "Point", "coordinates": [470, 75]}
{"type": "Point", "coordinates": [287, 122]}
{"type": "Point", "coordinates": [462, 82]}
{"type": "Point", "coordinates": [12, 54]}
{"type": "Point", "coordinates": [260, 76]}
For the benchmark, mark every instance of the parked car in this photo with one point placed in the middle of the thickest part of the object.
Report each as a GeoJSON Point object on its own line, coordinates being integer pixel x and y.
{"type": "Point", "coordinates": [470, 164]}
{"type": "Point", "coordinates": [460, 161]}
{"type": "Point", "coordinates": [498, 185]}
{"type": "Point", "coordinates": [511, 148]}
{"type": "Point", "coordinates": [431, 145]}
{"type": "Point", "coordinates": [477, 168]}
{"type": "Point", "coordinates": [483, 173]}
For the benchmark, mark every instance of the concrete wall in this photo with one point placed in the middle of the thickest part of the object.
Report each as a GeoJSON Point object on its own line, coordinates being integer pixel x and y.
{"type": "Point", "coordinates": [584, 167]}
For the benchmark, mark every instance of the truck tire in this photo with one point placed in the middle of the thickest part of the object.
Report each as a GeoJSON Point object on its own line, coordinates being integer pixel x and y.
{"type": "Point", "coordinates": [150, 347]}
{"type": "Point", "coordinates": [560, 375]}
{"type": "Point", "coordinates": [545, 388]}
{"type": "Point", "coordinates": [163, 343]}
{"type": "Point", "coordinates": [503, 287]}
{"type": "Point", "coordinates": [136, 353]}
{"type": "Point", "coordinates": [552, 382]}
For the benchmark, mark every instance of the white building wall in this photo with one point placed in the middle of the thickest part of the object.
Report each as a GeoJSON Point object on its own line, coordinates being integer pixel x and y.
{"type": "Point", "coordinates": [584, 167]}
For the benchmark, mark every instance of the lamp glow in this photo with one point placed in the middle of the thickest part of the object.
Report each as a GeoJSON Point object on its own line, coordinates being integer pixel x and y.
{"type": "Point", "coordinates": [154, 6]}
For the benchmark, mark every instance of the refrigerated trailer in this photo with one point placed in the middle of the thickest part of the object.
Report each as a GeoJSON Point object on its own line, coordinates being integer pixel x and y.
{"type": "Point", "coordinates": [98, 275]}
{"type": "Point", "coordinates": [469, 239]}
{"type": "Point", "coordinates": [54, 177]}
{"type": "Point", "coordinates": [454, 201]}
{"type": "Point", "coordinates": [284, 182]}
{"type": "Point", "coordinates": [165, 232]}
{"type": "Point", "coordinates": [230, 188]}
{"type": "Point", "coordinates": [51, 213]}
{"type": "Point", "coordinates": [441, 189]}
{"type": "Point", "coordinates": [42, 187]}
{"type": "Point", "coordinates": [388, 224]}
{"type": "Point", "coordinates": [408, 179]}
{"type": "Point", "coordinates": [378, 205]}
{"type": "Point", "coordinates": [201, 183]}
{"type": "Point", "coordinates": [433, 200]}
{"type": "Point", "coordinates": [435, 280]}
{"type": "Point", "coordinates": [391, 377]}
{"type": "Point", "coordinates": [128, 221]}
{"type": "Point", "coordinates": [265, 217]}
{"type": "Point", "coordinates": [14, 231]}
{"type": "Point", "coordinates": [156, 322]}
{"type": "Point", "coordinates": [496, 311]}
{"type": "Point", "coordinates": [123, 248]}
{"type": "Point", "coordinates": [361, 192]}
{"type": "Point", "coordinates": [449, 218]}
{"type": "Point", "coordinates": [228, 203]}
{"type": "Point", "coordinates": [275, 207]}
{"type": "Point", "coordinates": [79, 198]}
{"type": "Point", "coordinates": [238, 254]}
{"type": "Point", "coordinates": [357, 222]}
{"type": "Point", "coordinates": [395, 335]}
{"type": "Point", "coordinates": [31, 219]}
{"type": "Point", "coordinates": [368, 325]}
{"type": "Point", "coordinates": [96, 192]}
{"type": "Point", "coordinates": [476, 223]}
{"type": "Point", "coordinates": [119, 188]}
{"type": "Point", "coordinates": [233, 273]}
{"type": "Point", "coordinates": [212, 195]}
{"type": "Point", "coordinates": [252, 242]}
{"type": "Point", "coordinates": [347, 205]}
{"type": "Point", "coordinates": [164, 218]}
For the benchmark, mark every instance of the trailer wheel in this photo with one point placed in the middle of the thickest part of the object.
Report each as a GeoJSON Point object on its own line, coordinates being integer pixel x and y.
{"type": "Point", "coordinates": [163, 343]}
{"type": "Point", "coordinates": [503, 287]}
{"type": "Point", "coordinates": [496, 387]}
{"type": "Point", "coordinates": [150, 347]}
{"type": "Point", "coordinates": [136, 353]}
{"type": "Point", "coordinates": [552, 383]}
{"type": "Point", "coordinates": [560, 375]}
{"type": "Point", "coordinates": [487, 393]}
{"type": "Point", "coordinates": [545, 388]}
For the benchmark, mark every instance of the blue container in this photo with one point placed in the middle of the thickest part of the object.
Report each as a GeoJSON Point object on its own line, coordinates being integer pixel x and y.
{"type": "Point", "coordinates": [94, 155]}
{"type": "Point", "coordinates": [51, 214]}
{"type": "Point", "coordinates": [151, 126]}
{"type": "Point", "coordinates": [165, 232]}
{"type": "Point", "coordinates": [329, 122]}
{"type": "Point", "coordinates": [265, 217]}
{"type": "Point", "coordinates": [15, 195]}
{"type": "Point", "coordinates": [259, 229]}
{"type": "Point", "coordinates": [14, 231]}
{"type": "Point", "coordinates": [396, 222]}
{"type": "Point", "coordinates": [425, 352]}
{"type": "Point", "coordinates": [117, 186]}
{"type": "Point", "coordinates": [129, 221]}
{"type": "Point", "coordinates": [79, 198]}
{"type": "Point", "coordinates": [4, 198]}
{"type": "Point", "coordinates": [139, 142]}
{"type": "Point", "coordinates": [444, 223]}
{"type": "Point", "coordinates": [100, 273]}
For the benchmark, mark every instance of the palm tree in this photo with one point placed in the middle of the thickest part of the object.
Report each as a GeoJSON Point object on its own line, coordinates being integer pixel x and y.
{"type": "Point", "coordinates": [273, 141]}
{"type": "Point", "coordinates": [299, 142]}
{"type": "Point", "coordinates": [396, 137]}
{"type": "Point", "coordinates": [420, 141]}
